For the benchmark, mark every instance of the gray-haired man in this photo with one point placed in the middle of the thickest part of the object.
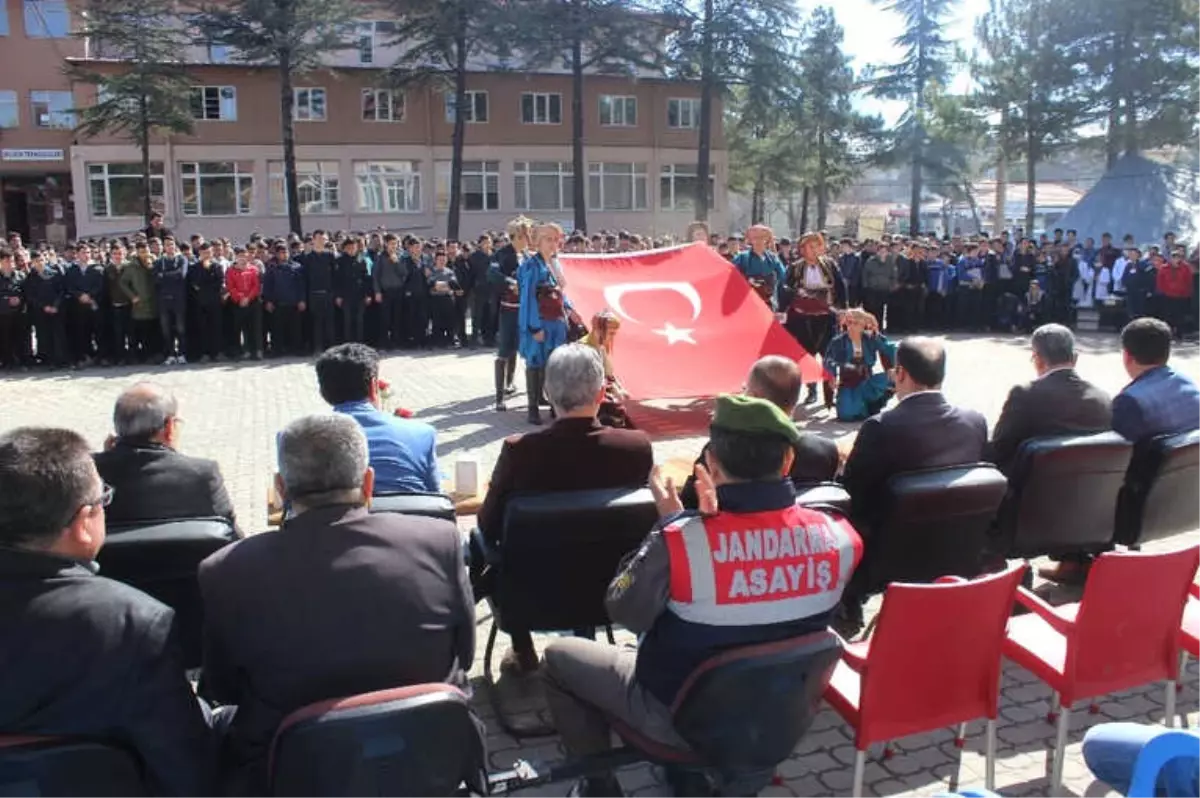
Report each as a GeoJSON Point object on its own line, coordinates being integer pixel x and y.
{"type": "Point", "coordinates": [338, 602]}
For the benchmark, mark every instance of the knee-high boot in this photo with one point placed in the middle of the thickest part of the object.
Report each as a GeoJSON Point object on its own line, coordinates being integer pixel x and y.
{"type": "Point", "coordinates": [533, 389]}
{"type": "Point", "coordinates": [499, 367]}
{"type": "Point", "coordinates": [827, 389]}
{"type": "Point", "coordinates": [510, 375]}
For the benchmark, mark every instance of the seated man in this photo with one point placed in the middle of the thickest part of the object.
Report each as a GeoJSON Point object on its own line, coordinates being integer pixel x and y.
{"type": "Point", "coordinates": [1159, 400]}
{"type": "Point", "coordinates": [667, 591]}
{"type": "Point", "coordinates": [151, 480]}
{"type": "Point", "coordinates": [84, 656]}
{"type": "Point", "coordinates": [573, 453]}
{"type": "Point", "coordinates": [777, 379]}
{"type": "Point", "coordinates": [403, 452]}
{"type": "Point", "coordinates": [337, 602]}
{"type": "Point", "coordinates": [1058, 402]}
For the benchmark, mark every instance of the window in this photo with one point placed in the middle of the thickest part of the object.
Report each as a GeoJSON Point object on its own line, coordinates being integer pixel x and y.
{"type": "Point", "coordinates": [480, 185]}
{"type": "Point", "coordinates": [388, 186]}
{"type": "Point", "coordinates": [222, 188]}
{"type": "Point", "coordinates": [308, 105]}
{"type": "Point", "coordinates": [3, 19]}
{"type": "Point", "coordinates": [476, 107]}
{"type": "Point", "coordinates": [117, 189]}
{"type": "Point", "coordinates": [214, 103]}
{"type": "Point", "coordinates": [47, 19]}
{"type": "Point", "coordinates": [683, 113]}
{"type": "Point", "coordinates": [541, 109]}
{"type": "Point", "coordinates": [52, 108]}
{"type": "Point", "coordinates": [316, 182]}
{"type": "Point", "coordinates": [617, 186]}
{"type": "Point", "coordinates": [543, 186]}
{"type": "Point", "coordinates": [219, 53]}
{"type": "Point", "coordinates": [617, 111]}
{"type": "Point", "coordinates": [382, 105]}
{"type": "Point", "coordinates": [677, 187]}
{"type": "Point", "coordinates": [10, 113]}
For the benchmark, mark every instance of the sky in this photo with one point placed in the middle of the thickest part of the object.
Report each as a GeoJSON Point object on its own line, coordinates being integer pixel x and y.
{"type": "Point", "coordinates": [869, 33]}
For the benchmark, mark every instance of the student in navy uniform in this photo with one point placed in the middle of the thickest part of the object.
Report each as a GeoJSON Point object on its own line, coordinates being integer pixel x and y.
{"type": "Point", "coordinates": [44, 294]}
{"type": "Point", "coordinates": [319, 265]}
{"type": "Point", "coordinates": [351, 290]}
{"type": "Point", "coordinates": [84, 285]}
{"type": "Point", "coordinates": [170, 279]}
{"type": "Point", "coordinates": [12, 325]}
{"type": "Point", "coordinates": [206, 286]}
{"type": "Point", "coordinates": [481, 294]}
{"type": "Point", "coordinates": [283, 291]}
{"type": "Point", "coordinates": [388, 279]}
{"type": "Point", "coordinates": [443, 290]}
{"type": "Point", "coordinates": [416, 294]}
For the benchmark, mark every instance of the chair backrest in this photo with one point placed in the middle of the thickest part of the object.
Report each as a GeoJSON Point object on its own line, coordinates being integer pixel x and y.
{"type": "Point", "coordinates": [431, 505]}
{"type": "Point", "coordinates": [935, 655]}
{"type": "Point", "coordinates": [748, 707]}
{"type": "Point", "coordinates": [161, 558]}
{"type": "Point", "coordinates": [1063, 494]}
{"type": "Point", "coordinates": [823, 495]}
{"type": "Point", "coordinates": [935, 523]}
{"type": "Point", "coordinates": [60, 766]}
{"type": "Point", "coordinates": [417, 740]}
{"type": "Point", "coordinates": [1158, 498]}
{"type": "Point", "coordinates": [559, 551]}
{"type": "Point", "coordinates": [1119, 643]}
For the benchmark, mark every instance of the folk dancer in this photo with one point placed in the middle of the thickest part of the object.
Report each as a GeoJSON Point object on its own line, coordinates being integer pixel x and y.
{"type": "Point", "coordinates": [761, 268]}
{"type": "Point", "coordinates": [812, 290]}
{"type": "Point", "coordinates": [502, 276]}
{"type": "Point", "coordinates": [542, 319]}
{"type": "Point", "coordinates": [850, 360]}
{"type": "Point", "coordinates": [605, 325]}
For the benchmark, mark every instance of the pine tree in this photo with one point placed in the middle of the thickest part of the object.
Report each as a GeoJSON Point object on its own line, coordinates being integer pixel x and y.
{"type": "Point", "coordinates": [925, 63]}
{"type": "Point", "coordinates": [994, 69]}
{"type": "Point", "coordinates": [143, 89]}
{"type": "Point", "coordinates": [294, 37]}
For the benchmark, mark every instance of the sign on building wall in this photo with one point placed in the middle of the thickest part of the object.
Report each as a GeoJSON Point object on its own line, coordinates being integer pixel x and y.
{"type": "Point", "coordinates": [31, 155]}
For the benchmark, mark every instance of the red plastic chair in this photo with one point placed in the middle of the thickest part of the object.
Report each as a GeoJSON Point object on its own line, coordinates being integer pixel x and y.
{"type": "Point", "coordinates": [1124, 633]}
{"type": "Point", "coordinates": [933, 661]}
{"type": "Point", "coordinates": [1189, 630]}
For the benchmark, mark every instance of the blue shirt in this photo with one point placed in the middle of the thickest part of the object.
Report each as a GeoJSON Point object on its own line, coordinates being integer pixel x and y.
{"type": "Point", "coordinates": [761, 266]}
{"type": "Point", "coordinates": [1160, 401]}
{"type": "Point", "coordinates": [402, 452]}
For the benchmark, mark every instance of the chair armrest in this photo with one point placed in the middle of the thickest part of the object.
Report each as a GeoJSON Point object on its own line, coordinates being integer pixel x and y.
{"type": "Point", "coordinates": [1038, 606]}
{"type": "Point", "coordinates": [478, 546]}
{"type": "Point", "coordinates": [1194, 590]}
{"type": "Point", "coordinates": [855, 655]}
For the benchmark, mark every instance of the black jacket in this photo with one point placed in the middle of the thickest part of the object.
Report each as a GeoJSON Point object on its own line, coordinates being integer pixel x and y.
{"type": "Point", "coordinates": [80, 279]}
{"type": "Point", "coordinates": [337, 602]}
{"type": "Point", "coordinates": [10, 286]}
{"type": "Point", "coordinates": [85, 656]}
{"type": "Point", "coordinates": [389, 275]}
{"type": "Point", "coordinates": [351, 279]}
{"type": "Point", "coordinates": [1058, 403]}
{"type": "Point", "coordinates": [283, 283]}
{"type": "Point", "coordinates": [816, 460]}
{"type": "Point", "coordinates": [153, 482]}
{"type": "Point", "coordinates": [44, 289]}
{"type": "Point", "coordinates": [170, 278]}
{"type": "Point", "coordinates": [206, 286]}
{"type": "Point", "coordinates": [480, 263]}
{"type": "Point", "coordinates": [415, 283]}
{"type": "Point", "coordinates": [318, 271]}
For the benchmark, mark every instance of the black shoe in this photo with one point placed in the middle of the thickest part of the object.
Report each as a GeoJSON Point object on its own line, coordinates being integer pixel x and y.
{"type": "Point", "coordinates": [596, 787]}
{"type": "Point", "coordinates": [811, 397]}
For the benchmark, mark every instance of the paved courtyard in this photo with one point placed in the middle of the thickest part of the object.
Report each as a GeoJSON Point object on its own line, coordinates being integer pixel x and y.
{"type": "Point", "coordinates": [232, 411]}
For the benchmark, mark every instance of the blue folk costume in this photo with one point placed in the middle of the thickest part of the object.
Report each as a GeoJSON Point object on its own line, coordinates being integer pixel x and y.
{"type": "Point", "coordinates": [543, 309]}
{"type": "Point", "coordinates": [861, 392]}
{"type": "Point", "coordinates": [764, 272]}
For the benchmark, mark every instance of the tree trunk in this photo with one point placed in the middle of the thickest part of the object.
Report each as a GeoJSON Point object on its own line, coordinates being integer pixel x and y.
{"type": "Point", "coordinates": [791, 213]}
{"type": "Point", "coordinates": [757, 198]}
{"type": "Point", "coordinates": [822, 180]}
{"type": "Point", "coordinates": [1131, 122]}
{"type": "Point", "coordinates": [579, 184]}
{"type": "Point", "coordinates": [1112, 136]}
{"type": "Point", "coordinates": [1031, 156]}
{"type": "Point", "coordinates": [803, 211]}
{"type": "Point", "coordinates": [1001, 221]}
{"type": "Point", "coordinates": [460, 125]}
{"type": "Point", "coordinates": [290, 188]}
{"type": "Point", "coordinates": [707, 90]}
{"type": "Point", "coordinates": [144, 144]}
{"type": "Point", "coordinates": [918, 144]}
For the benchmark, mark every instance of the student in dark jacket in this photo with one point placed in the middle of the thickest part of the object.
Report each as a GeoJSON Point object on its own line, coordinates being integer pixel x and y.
{"type": "Point", "coordinates": [12, 325]}
{"type": "Point", "coordinates": [84, 656]}
{"type": "Point", "coordinates": [850, 265]}
{"type": "Point", "coordinates": [482, 294]}
{"type": "Point", "coordinates": [319, 266]}
{"type": "Point", "coordinates": [283, 292]}
{"type": "Point", "coordinates": [84, 285]}
{"type": "Point", "coordinates": [388, 279]}
{"type": "Point", "coordinates": [416, 294]}
{"type": "Point", "coordinates": [351, 290]}
{"type": "Point", "coordinates": [45, 294]}
{"type": "Point", "coordinates": [170, 282]}
{"type": "Point", "coordinates": [206, 286]}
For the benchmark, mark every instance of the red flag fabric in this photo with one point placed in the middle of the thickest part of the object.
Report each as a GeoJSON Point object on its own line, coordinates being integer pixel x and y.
{"type": "Point", "coordinates": [691, 325]}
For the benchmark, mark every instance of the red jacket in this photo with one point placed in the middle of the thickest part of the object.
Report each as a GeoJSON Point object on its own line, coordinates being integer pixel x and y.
{"type": "Point", "coordinates": [1174, 280]}
{"type": "Point", "coordinates": [243, 283]}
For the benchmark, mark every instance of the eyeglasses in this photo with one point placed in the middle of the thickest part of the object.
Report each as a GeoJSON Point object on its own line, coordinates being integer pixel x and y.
{"type": "Point", "coordinates": [106, 496]}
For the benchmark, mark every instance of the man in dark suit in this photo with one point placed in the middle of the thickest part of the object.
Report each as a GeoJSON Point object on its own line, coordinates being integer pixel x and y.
{"type": "Point", "coordinates": [1058, 402]}
{"type": "Point", "coordinates": [1158, 400]}
{"type": "Point", "coordinates": [84, 656]}
{"type": "Point", "coordinates": [152, 480]}
{"type": "Point", "coordinates": [777, 379]}
{"type": "Point", "coordinates": [337, 602]}
{"type": "Point", "coordinates": [573, 453]}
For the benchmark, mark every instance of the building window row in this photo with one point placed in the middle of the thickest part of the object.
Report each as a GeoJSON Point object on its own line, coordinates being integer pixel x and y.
{"type": "Point", "coordinates": [48, 109]}
{"type": "Point", "coordinates": [44, 19]}
{"type": "Point", "coordinates": [226, 188]}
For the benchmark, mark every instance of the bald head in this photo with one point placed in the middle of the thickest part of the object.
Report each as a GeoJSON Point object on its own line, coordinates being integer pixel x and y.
{"type": "Point", "coordinates": [143, 410]}
{"type": "Point", "coordinates": [776, 379]}
{"type": "Point", "coordinates": [924, 361]}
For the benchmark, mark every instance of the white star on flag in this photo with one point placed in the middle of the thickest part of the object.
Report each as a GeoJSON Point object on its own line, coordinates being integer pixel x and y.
{"type": "Point", "coordinates": [674, 334]}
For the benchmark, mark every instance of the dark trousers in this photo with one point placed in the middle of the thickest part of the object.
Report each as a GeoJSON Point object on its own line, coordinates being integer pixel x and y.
{"type": "Point", "coordinates": [320, 313]}
{"type": "Point", "coordinates": [1174, 311]}
{"type": "Point", "coordinates": [173, 327]}
{"type": "Point", "coordinates": [84, 328]}
{"type": "Point", "coordinates": [286, 330]}
{"type": "Point", "coordinates": [461, 306]}
{"type": "Point", "coordinates": [51, 337]}
{"type": "Point", "coordinates": [352, 320]}
{"type": "Point", "coordinates": [391, 319]}
{"type": "Point", "coordinates": [416, 318]}
{"type": "Point", "coordinates": [441, 312]}
{"type": "Point", "coordinates": [208, 318]}
{"type": "Point", "coordinates": [483, 317]}
{"type": "Point", "coordinates": [248, 323]}
{"type": "Point", "coordinates": [970, 309]}
{"type": "Point", "coordinates": [12, 327]}
{"type": "Point", "coordinates": [874, 302]}
{"type": "Point", "coordinates": [854, 294]}
{"type": "Point", "coordinates": [144, 343]}
{"type": "Point", "coordinates": [935, 312]}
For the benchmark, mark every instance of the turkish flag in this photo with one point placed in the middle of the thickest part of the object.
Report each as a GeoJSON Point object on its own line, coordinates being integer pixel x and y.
{"type": "Point", "coordinates": [691, 325]}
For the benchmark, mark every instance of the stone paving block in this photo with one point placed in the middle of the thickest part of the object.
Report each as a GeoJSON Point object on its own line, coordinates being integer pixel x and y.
{"type": "Point", "coordinates": [888, 787]}
{"type": "Point", "coordinates": [639, 777]}
{"type": "Point", "coordinates": [806, 786]}
{"type": "Point", "coordinates": [778, 791]}
{"type": "Point", "coordinates": [824, 739]}
{"type": "Point", "coordinates": [840, 781]}
{"type": "Point", "coordinates": [806, 764]}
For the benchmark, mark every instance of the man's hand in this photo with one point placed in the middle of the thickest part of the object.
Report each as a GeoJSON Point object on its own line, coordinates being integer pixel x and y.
{"type": "Point", "coordinates": [539, 336]}
{"type": "Point", "coordinates": [302, 306]}
{"type": "Point", "coordinates": [135, 300]}
{"type": "Point", "coordinates": [379, 297]}
{"type": "Point", "coordinates": [243, 303]}
{"type": "Point", "coordinates": [50, 309]}
{"type": "Point", "coordinates": [706, 491]}
{"type": "Point", "coordinates": [338, 301]}
{"type": "Point", "coordinates": [85, 299]}
{"type": "Point", "coordinates": [666, 497]}
{"type": "Point", "coordinates": [270, 306]}
{"type": "Point", "coordinates": [14, 301]}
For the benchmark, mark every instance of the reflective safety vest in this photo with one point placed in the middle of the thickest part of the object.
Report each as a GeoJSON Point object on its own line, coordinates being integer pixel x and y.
{"type": "Point", "coordinates": [769, 567]}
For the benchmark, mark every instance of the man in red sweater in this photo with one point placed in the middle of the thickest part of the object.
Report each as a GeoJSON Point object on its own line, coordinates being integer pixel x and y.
{"type": "Point", "coordinates": [1174, 286]}
{"type": "Point", "coordinates": [244, 284]}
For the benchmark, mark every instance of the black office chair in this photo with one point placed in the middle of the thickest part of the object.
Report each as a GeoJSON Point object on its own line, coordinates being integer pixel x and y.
{"type": "Point", "coordinates": [418, 740]}
{"type": "Point", "coordinates": [54, 766]}
{"type": "Point", "coordinates": [823, 495]}
{"type": "Point", "coordinates": [161, 558]}
{"type": "Point", "coordinates": [431, 505]}
{"type": "Point", "coordinates": [935, 523]}
{"type": "Point", "coordinates": [1158, 498]}
{"type": "Point", "coordinates": [1062, 495]}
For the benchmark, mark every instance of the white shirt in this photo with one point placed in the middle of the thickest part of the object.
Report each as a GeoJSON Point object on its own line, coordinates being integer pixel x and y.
{"type": "Point", "coordinates": [813, 277]}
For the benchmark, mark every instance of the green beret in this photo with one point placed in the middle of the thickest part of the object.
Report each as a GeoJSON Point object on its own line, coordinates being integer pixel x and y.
{"type": "Point", "coordinates": [753, 416]}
